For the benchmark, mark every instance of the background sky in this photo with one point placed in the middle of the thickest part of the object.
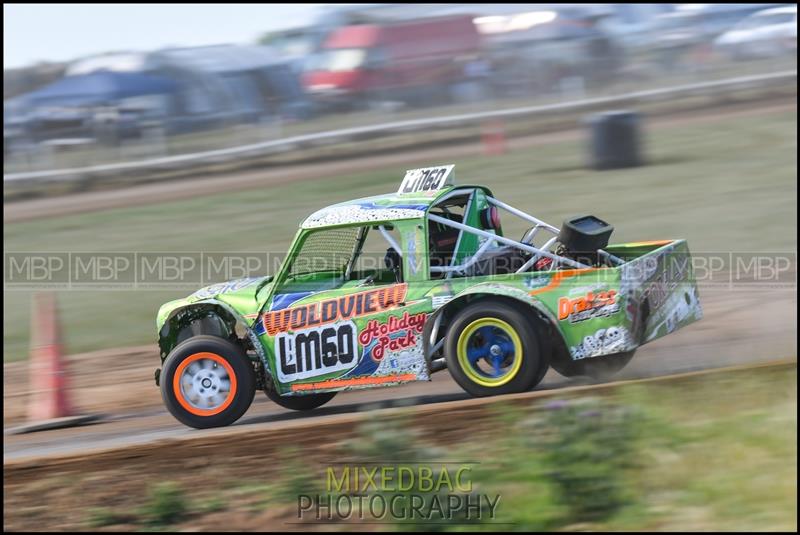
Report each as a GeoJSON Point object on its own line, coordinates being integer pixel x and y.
{"type": "Point", "coordinates": [58, 32]}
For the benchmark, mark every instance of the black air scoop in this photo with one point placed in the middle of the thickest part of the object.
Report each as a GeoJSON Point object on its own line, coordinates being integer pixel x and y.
{"type": "Point", "coordinates": [584, 234]}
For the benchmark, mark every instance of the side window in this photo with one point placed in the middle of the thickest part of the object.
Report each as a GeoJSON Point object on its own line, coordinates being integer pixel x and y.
{"type": "Point", "coordinates": [443, 239]}
{"type": "Point", "coordinates": [378, 258]}
{"type": "Point", "coordinates": [460, 253]}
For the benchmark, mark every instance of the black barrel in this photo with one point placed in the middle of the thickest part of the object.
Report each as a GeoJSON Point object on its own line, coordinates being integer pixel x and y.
{"type": "Point", "coordinates": [615, 140]}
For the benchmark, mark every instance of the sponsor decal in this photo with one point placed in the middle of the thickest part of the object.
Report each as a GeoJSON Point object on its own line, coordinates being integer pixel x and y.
{"type": "Point", "coordinates": [603, 342]}
{"type": "Point", "coordinates": [223, 287]}
{"type": "Point", "coordinates": [425, 179]}
{"type": "Point", "coordinates": [676, 309]}
{"type": "Point", "coordinates": [590, 305]}
{"type": "Point", "coordinates": [336, 215]}
{"type": "Point", "coordinates": [317, 351]}
{"type": "Point", "coordinates": [533, 283]}
{"type": "Point", "coordinates": [354, 382]}
{"type": "Point", "coordinates": [411, 253]}
{"type": "Point", "coordinates": [332, 310]}
{"type": "Point", "coordinates": [394, 335]}
{"type": "Point", "coordinates": [658, 290]}
{"type": "Point", "coordinates": [438, 301]}
{"type": "Point", "coordinates": [582, 290]}
{"type": "Point", "coordinates": [441, 295]}
{"type": "Point", "coordinates": [281, 301]}
{"type": "Point", "coordinates": [632, 309]}
{"type": "Point", "coordinates": [410, 360]}
{"type": "Point", "coordinates": [377, 206]}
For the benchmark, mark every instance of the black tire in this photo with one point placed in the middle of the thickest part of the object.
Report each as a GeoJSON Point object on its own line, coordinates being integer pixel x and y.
{"type": "Point", "coordinates": [543, 335]}
{"type": "Point", "coordinates": [605, 367]}
{"type": "Point", "coordinates": [532, 366]}
{"type": "Point", "coordinates": [598, 368]}
{"type": "Point", "coordinates": [300, 403]}
{"type": "Point", "coordinates": [234, 359]}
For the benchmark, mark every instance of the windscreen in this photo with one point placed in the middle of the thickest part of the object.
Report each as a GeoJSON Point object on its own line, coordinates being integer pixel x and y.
{"type": "Point", "coordinates": [325, 250]}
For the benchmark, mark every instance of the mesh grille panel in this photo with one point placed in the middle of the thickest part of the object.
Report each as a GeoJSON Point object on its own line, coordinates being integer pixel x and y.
{"type": "Point", "coordinates": [326, 250]}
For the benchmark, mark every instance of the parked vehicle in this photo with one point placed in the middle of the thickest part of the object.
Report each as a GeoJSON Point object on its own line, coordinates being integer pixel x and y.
{"type": "Point", "coordinates": [407, 61]}
{"type": "Point", "coordinates": [692, 28]}
{"type": "Point", "coordinates": [551, 50]}
{"type": "Point", "coordinates": [768, 33]}
{"type": "Point", "coordinates": [448, 291]}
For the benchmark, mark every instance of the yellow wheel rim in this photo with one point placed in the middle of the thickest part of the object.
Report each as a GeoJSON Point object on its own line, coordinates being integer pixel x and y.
{"type": "Point", "coordinates": [489, 352]}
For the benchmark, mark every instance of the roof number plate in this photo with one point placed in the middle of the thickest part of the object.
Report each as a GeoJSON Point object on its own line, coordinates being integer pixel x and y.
{"type": "Point", "coordinates": [426, 179]}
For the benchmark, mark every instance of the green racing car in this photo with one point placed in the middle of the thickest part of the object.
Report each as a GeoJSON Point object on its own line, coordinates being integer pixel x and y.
{"type": "Point", "coordinates": [390, 289]}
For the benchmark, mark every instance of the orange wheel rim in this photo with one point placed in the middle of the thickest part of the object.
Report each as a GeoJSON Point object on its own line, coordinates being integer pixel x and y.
{"type": "Point", "coordinates": [204, 384]}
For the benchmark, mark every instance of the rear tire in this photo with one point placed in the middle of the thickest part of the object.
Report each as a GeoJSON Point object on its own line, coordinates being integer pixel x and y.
{"type": "Point", "coordinates": [602, 368]}
{"type": "Point", "coordinates": [492, 348]}
{"type": "Point", "coordinates": [207, 381]}
{"type": "Point", "coordinates": [598, 368]}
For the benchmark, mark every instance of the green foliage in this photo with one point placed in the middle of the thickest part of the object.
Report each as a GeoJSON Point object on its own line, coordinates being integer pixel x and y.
{"type": "Point", "coordinates": [213, 504]}
{"type": "Point", "coordinates": [298, 478]}
{"type": "Point", "coordinates": [563, 462]}
{"type": "Point", "coordinates": [103, 516]}
{"type": "Point", "coordinates": [588, 445]}
{"type": "Point", "coordinates": [390, 439]}
{"type": "Point", "coordinates": [166, 504]}
{"type": "Point", "coordinates": [395, 440]}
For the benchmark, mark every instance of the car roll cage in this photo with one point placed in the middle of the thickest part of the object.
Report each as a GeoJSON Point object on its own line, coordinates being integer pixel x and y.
{"type": "Point", "coordinates": [544, 251]}
{"type": "Point", "coordinates": [538, 252]}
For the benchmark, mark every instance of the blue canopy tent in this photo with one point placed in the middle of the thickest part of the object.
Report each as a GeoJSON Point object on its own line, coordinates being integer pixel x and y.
{"type": "Point", "coordinates": [100, 87]}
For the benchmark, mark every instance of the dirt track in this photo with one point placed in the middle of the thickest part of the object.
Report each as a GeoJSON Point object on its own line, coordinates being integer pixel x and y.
{"type": "Point", "coordinates": [739, 326]}
{"type": "Point", "coordinates": [181, 189]}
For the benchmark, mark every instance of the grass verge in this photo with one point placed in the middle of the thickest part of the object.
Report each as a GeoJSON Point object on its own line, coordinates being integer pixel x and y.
{"type": "Point", "coordinates": [725, 185]}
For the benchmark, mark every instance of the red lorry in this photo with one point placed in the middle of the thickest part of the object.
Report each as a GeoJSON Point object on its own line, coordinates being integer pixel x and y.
{"type": "Point", "coordinates": [412, 61]}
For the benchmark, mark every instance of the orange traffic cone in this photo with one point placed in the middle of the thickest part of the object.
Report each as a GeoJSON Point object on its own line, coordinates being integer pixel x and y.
{"type": "Point", "coordinates": [49, 406]}
{"type": "Point", "coordinates": [48, 378]}
{"type": "Point", "coordinates": [494, 137]}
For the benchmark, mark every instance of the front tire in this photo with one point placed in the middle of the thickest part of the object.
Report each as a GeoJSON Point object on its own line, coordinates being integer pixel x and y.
{"type": "Point", "coordinates": [492, 349]}
{"type": "Point", "coordinates": [207, 381]}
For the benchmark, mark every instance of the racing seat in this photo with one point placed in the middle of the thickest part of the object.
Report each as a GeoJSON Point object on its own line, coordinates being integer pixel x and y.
{"type": "Point", "coordinates": [442, 240]}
